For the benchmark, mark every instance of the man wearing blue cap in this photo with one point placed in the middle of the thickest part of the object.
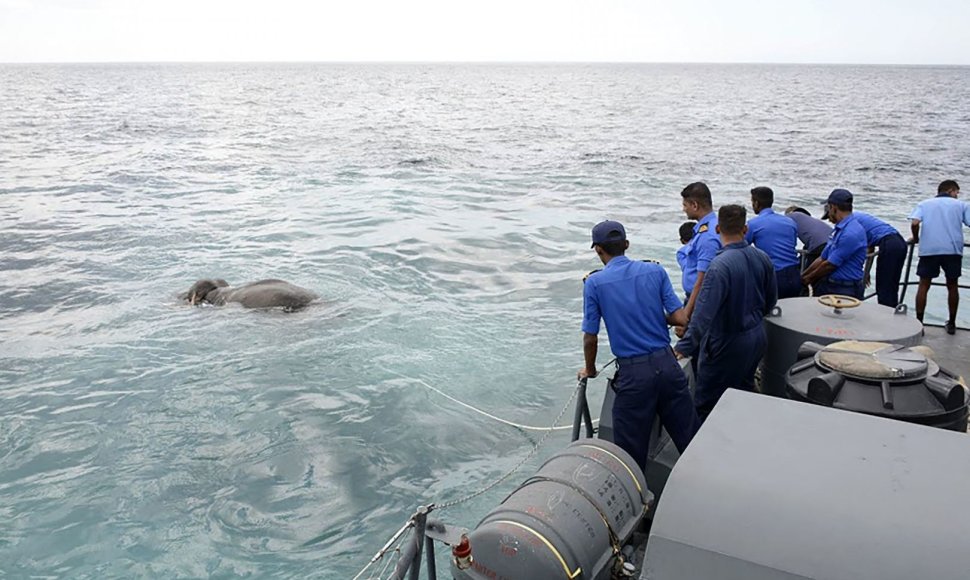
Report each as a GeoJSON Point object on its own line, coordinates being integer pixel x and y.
{"type": "Point", "coordinates": [941, 246]}
{"type": "Point", "coordinates": [636, 301]}
{"type": "Point", "coordinates": [777, 236]}
{"type": "Point", "coordinates": [726, 334]}
{"type": "Point", "coordinates": [892, 256]}
{"type": "Point", "coordinates": [839, 270]}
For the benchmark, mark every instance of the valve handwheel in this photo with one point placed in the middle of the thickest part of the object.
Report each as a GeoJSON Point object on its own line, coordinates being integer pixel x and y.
{"type": "Point", "coordinates": [839, 301]}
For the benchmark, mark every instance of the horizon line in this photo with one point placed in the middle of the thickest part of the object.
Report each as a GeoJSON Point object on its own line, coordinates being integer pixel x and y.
{"type": "Point", "coordinates": [478, 62]}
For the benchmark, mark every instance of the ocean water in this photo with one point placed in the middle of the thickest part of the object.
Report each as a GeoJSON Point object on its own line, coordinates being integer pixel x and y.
{"type": "Point", "coordinates": [443, 213]}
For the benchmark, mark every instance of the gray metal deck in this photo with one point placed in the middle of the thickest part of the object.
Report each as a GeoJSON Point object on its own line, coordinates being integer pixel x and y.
{"type": "Point", "coordinates": [772, 489]}
{"type": "Point", "coordinates": [952, 351]}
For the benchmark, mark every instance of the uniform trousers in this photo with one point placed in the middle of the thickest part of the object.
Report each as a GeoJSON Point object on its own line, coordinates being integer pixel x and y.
{"type": "Point", "coordinates": [889, 268]}
{"type": "Point", "coordinates": [647, 386]}
{"type": "Point", "coordinates": [726, 362]}
{"type": "Point", "coordinates": [789, 281]}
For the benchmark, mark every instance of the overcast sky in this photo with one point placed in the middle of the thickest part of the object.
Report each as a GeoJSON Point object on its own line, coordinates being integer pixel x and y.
{"type": "Point", "coordinates": [815, 31]}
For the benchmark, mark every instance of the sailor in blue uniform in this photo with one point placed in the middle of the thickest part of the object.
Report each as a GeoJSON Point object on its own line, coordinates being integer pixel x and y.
{"type": "Point", "coordinates": [839, 270]}
{"type": "Point", "coordinates": [702, 248]}
{"type": "Point", "coordinates": [892, 256]}
{"type": "Point", "coordinates": [637, 301]}
{"type": "Point", "coordinates": [726, 333]}
{"type": "Point", "coordinates": [777, 236]}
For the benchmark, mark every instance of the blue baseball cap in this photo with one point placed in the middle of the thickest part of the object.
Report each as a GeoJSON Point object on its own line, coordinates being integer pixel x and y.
{"type": "Point", "coordinates": [608, 231]}
{"type": "Point", "coordinates": [840, 196]}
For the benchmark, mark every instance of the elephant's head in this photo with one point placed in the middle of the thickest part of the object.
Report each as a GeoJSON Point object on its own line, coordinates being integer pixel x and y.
{"type": "Point", "coordinates": [198, 292]}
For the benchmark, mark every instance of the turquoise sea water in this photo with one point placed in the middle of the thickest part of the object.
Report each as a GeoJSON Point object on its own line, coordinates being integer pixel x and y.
{"type": "Point", "coordinates": [442, 211]}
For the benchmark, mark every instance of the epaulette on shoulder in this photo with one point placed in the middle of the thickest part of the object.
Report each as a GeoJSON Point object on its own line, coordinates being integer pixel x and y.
{"type": "Point", "coordinates": [586, 277]}
{"type": "Point", "coordinates": [703, 228]}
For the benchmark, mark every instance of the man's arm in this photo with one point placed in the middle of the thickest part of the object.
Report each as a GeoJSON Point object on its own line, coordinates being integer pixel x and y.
{"type": "Point", "coordinates": [819, 269]}
{"type": "Point", "coordinates": [712, 297]}
{"type": "Point", "coordinates": [590, 346]}
{"type": "Point", "coordinates": [827, 263]}
{"type": "Point", "coordinates": [811, 268]}
{"type": "Point", "coordinates": [707, 249]}
{"type": "Point", "coordinates": [591, 327]}
{"type": "Point", "coordinates": [678, 317]}
{"type": "Point", "coordinates": [914, 227]}
{"type": "Point", "coordinates": [870, 258]}
{"type": "Point", "coordinates": [672, 305]}
{"type": "Point", "coordinates": [689, 309]}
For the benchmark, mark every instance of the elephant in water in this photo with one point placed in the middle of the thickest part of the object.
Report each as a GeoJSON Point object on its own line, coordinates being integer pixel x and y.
{"type": "Point", "coordinates": [261, 294]}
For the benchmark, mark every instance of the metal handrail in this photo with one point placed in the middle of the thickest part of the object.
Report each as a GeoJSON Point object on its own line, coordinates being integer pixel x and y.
{"type": "Point", "coordinates": [906, 282]}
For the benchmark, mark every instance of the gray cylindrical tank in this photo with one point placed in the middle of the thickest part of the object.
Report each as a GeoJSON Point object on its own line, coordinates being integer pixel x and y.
{"type": "Point", "coordinates": [565, 521]}
{"type": "Point", "coordinates": [799, 320]}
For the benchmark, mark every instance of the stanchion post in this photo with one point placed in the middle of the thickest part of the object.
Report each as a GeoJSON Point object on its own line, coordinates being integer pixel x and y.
{"type": "Point", "coordinates": [420, 523]}
{"type": "Point", "coordinates": [582, 409]}
{"type": "Point", "coordinates": [587, 418]}
{"type": "Point", "coordinates": [432, 565]}
{"type": "Point", "coordinates": [909, 267]}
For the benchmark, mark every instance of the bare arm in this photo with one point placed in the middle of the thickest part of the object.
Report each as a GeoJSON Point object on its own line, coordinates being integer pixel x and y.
{"type": "Point", "coordinates": [590, 346]}
{"type": "Point", "coordinates": [870, 257]}
{"type": "Point", "coordinates": [700, 324]}
{"type": "Point", "coordinates": [678, 317]}
{"type": "Point", "coordinates": [819, 269]}
{"type": "Point", "coordinates": [810, 269]}
{"type": "Point", "coordinates": [689, 309]}
{"type": "Point", "coordinates": [914, 227]}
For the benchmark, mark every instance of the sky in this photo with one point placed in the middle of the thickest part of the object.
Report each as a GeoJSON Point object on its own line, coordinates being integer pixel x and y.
{"type": "Point", "coordinates": [777, 31]}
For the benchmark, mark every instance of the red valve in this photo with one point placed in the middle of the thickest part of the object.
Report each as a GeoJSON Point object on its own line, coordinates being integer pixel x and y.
{"type": "Point", "coordinates": [463, 554]}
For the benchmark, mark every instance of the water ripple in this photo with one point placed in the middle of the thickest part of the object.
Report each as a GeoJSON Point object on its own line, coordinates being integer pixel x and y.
{"type": "Point", "coordinates": [441, 212]}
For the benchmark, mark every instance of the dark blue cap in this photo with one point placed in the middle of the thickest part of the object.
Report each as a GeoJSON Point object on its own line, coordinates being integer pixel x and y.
{"type": "Point", "coordinates": [608, 231]}
{"type": "Point", "coordinates": [839, 196]}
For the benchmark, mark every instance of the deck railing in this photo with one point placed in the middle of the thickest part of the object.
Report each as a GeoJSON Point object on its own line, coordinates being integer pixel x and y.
{"type": "Point", "coordinates": [905, 282]}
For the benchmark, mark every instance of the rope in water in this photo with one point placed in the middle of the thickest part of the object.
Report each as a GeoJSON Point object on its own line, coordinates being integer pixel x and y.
{"type": "Point", "coordinates": [535, 448]}
{"type": "Point", "coordinates": [491, 416]}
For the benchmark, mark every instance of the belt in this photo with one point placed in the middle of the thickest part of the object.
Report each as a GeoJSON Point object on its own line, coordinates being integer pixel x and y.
{"type": "Point", "coordinates": [632, 360]}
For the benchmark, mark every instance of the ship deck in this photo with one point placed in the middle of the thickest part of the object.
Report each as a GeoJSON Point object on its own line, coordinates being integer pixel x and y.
{"type": "Point", "coordinates": [952, 351]}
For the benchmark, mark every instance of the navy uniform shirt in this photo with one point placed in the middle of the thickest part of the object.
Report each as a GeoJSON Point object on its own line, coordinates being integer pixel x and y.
{"type": "Point", "coordinates": [846, 250]}
{"type": "Point", "coordinates": [738, 290]}
{"type": "Point", "coordinates": [775, 235]}
{"type": "Point", "coordinates": [875, 228]}
{"type": "Point", "coordinates": [701, 249]}
{"type": "Point", "coordinates": [634, 299]}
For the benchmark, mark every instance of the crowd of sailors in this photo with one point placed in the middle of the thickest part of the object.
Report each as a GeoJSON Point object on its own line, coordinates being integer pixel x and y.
{"type": "Point", "coordinates": [733, 273]}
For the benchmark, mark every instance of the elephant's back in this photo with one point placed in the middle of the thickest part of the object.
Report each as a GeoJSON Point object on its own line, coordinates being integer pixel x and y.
{"type": "Point", "coordinates": [272, 293]}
